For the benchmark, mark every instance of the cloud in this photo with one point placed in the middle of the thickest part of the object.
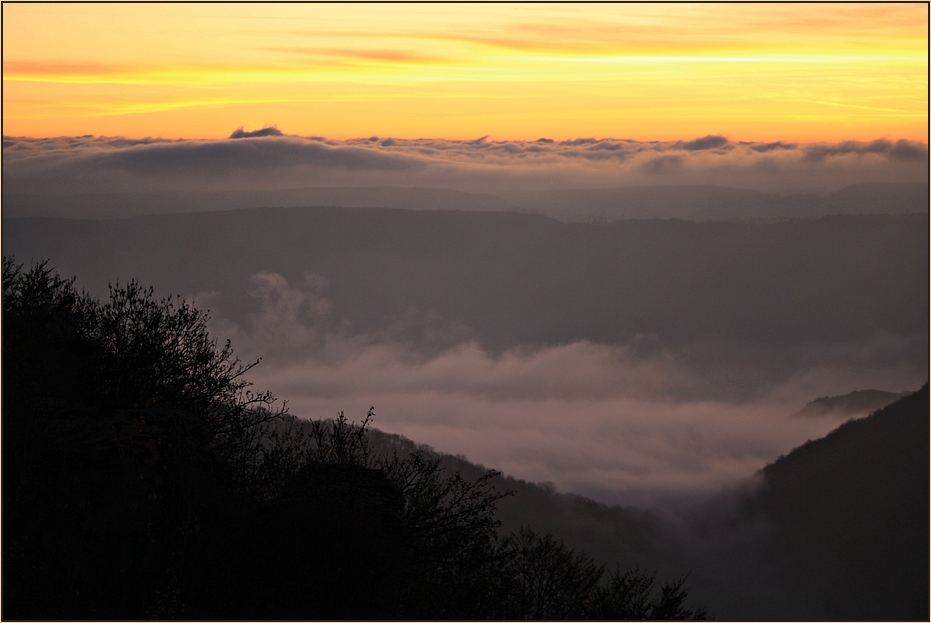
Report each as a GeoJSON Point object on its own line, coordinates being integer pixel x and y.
{"type": "Point", "coordinates": [288, 319]}
{"type": "Point", "coordinates": [589, 418]}
{"type": "Point", "coordinates": [663, 165]}
{"type": "Point", "coordinates": [632, 423]}
{"type": "Point", "coordinates": [268, 159]}
{"type": "Point", "coordinates": [226, 157]}
{"type": "Point", "coordinates": [706, 142]}
{"type": "Point", "coordinates": [92, 164]}
{"type": "Point", "coordinates": [266, 131]}
{"type": "Point", "coordinates": [909, 151]}
{"type": "Point", "coordinates": [901, 150]}
{"type": "Point", "coordinates": [765, 147]}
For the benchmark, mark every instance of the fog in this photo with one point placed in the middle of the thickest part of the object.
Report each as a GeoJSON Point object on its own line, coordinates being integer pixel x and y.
{"type": "Point", "coordinates": [612, 422]}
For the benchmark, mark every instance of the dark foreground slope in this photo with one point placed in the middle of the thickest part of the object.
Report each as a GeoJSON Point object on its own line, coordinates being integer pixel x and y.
{"type": "Point", "coordinates": [851, 516]}
{"type": "Point", "coordinates": [143, 480]}
{"type": "Point", "coordinates": [609, 534]}
{"type": "Point", "coordinates": [838, 531]}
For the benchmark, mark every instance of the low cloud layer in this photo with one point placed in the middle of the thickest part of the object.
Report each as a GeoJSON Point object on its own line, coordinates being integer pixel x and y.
{"type": "Point", "coordinates": [267, 158]}
{"type": "Point", "coordinates": [589, 418]}
{"type": "Point", "coordinates": [605, 421]}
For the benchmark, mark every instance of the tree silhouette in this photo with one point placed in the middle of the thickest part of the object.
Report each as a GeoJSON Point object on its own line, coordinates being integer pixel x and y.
{"type": "Point", "coordinates": [549, 581]}
{"type": "Point", "coordinates": [144, 478]}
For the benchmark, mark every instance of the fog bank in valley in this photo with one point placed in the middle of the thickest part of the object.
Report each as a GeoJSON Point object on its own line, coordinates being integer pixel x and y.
{"type": "Point", "coordinates": [607, 421]}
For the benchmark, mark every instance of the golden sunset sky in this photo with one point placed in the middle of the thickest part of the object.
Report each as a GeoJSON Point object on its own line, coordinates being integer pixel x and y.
{"type": "Point", "coordinates": [760, 72]}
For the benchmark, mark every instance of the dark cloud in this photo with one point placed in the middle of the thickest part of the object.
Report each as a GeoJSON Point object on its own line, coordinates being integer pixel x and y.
{"type": "Point", "coordinates": [819, 152]}
{"type": "Point", "coordinates": [662, 165]}
{"type": "Point", "coordinates": [909, 151]}
{"type": "Point", "coordinates": [224, 157]}
{"type": "Point", "coordinates": [712, 141]}
{"type": "Point", "coordinates": [609, 146]}
{"type": "Point", "coordinates": [85, 143]}
{"type": "Point", "coordinates": [266, 131]}
{"type": "Point", "coordinates": [65, 159]}
{"type": "Point", "coordinates": [765, 147]}
{"type": "Point", "coordinates": [579, 141]}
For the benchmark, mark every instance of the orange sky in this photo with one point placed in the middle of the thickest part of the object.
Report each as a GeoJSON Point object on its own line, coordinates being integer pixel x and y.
{"type": "Point", "coordinates": [796, 72]}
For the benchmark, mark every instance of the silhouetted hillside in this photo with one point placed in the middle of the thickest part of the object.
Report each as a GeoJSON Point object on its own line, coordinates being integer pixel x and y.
{"type": "Point", "coordinates": [144, 479]}
{"type": "Point", "coordinates": [609, 534]}
{"type": "Point", "coordinates": [861, 401]}
{"type": "Point", "coordinates": [851, 515]}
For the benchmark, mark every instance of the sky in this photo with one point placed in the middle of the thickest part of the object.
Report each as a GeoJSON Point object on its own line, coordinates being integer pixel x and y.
{"type": "Point", "coordinates": [518, 72]}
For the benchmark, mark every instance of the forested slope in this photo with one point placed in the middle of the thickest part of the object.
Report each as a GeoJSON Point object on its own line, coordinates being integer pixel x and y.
{"type": "Point", "coordinates": [851, 515]}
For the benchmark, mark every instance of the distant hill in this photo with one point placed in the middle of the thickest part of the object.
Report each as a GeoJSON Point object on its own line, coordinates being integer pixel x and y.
{"type": "Point", "coordinates": [861, 401]}
{"type": "Point", "coordinates": [706, 202]}
{"type": "Point", "coordinates": [689, 202]}
{"type": "Point", "coordinates": [127, 204]}
{"type": "Point", "coordinates": [851, 514]}
{"type": "Point", "coordinates": [879, 198]}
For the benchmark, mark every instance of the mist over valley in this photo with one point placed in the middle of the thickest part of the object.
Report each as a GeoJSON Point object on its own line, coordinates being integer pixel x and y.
{"type": "Point", "coordinates": [426, 311]}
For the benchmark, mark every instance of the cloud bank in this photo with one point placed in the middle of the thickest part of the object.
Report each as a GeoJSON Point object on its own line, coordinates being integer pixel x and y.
{"type": "Point", "coordinates": [619, 423]}
{"type": "Point", "coordinates": [267, 159]}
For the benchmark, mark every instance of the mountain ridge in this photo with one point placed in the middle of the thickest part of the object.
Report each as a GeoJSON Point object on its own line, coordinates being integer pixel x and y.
{"type": "Point", "coordinates": [691, 202]}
